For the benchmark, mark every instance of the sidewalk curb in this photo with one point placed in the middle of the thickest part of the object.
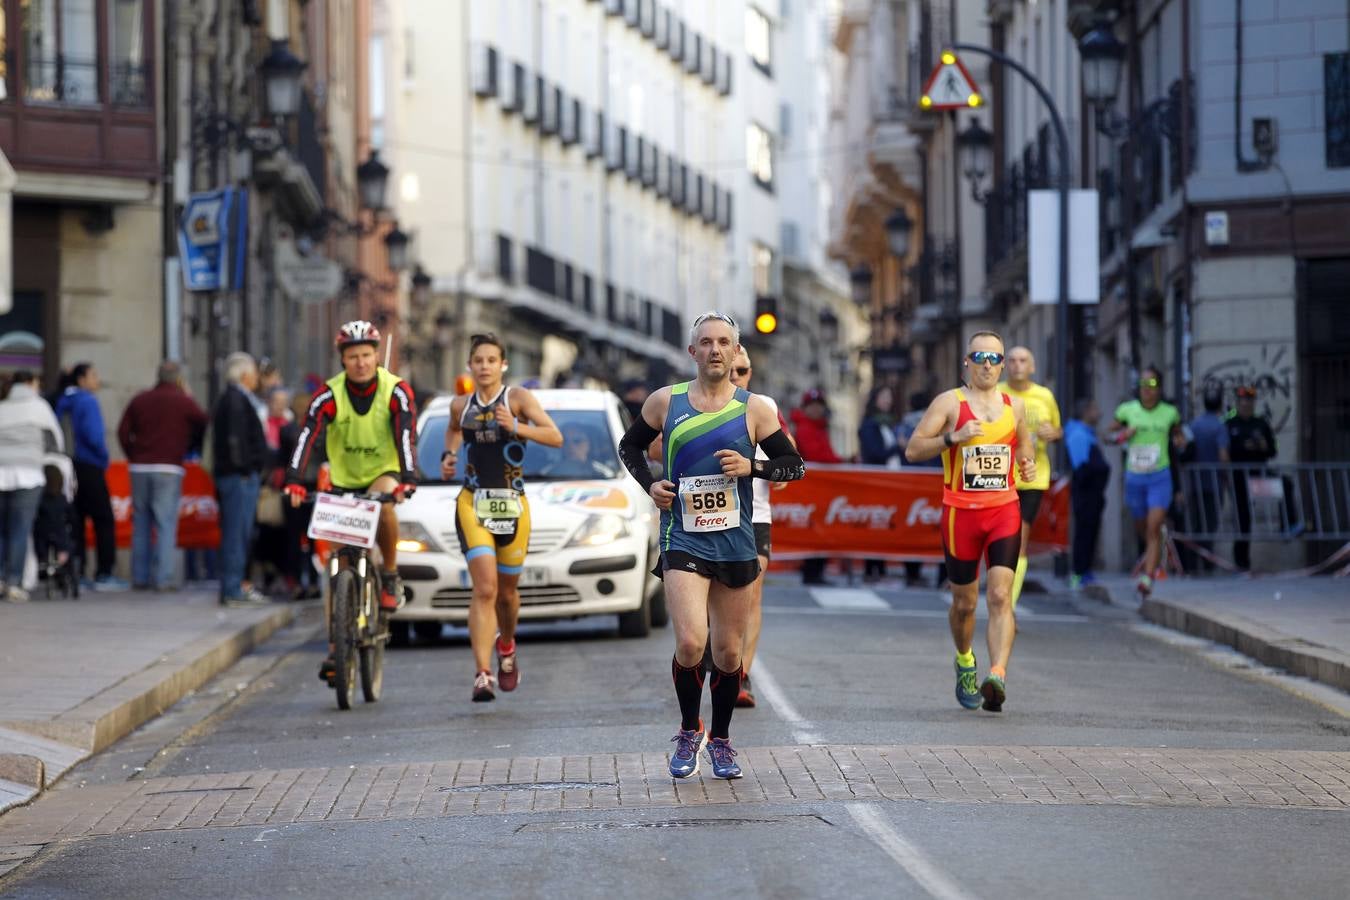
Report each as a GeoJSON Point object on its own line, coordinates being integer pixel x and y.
{"type": "Point", "coordinates": [123, 707]}
{"type": "Point", "coordinates": [1258, 641]}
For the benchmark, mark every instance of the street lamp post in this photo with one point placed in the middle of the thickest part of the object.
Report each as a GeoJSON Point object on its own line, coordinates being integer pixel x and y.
{"type": "Point", "coordinates": [1062, 140]}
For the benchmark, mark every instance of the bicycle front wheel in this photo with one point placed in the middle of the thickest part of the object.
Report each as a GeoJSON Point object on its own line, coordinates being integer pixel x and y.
{"type": "Point", "coordinates": [346, 604]}
{"type": "Point", "coordinates": [372, 648]}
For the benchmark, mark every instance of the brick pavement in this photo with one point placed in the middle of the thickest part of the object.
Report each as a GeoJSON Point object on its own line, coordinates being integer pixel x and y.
{"type": "Point", "coordinates": [1040, 775]}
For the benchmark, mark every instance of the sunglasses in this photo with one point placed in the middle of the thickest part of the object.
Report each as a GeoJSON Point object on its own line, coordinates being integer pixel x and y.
{"type": "Point", "coordinates": [487, 336]}
{"type": "Point", "coordinates": [714, 315]}
{"type": "Point", "coordinates": [1148, 382]}
{"type": "Point", "coordinates": [981, 357]}
{"type": "Point", "coordinates": [742, 370]}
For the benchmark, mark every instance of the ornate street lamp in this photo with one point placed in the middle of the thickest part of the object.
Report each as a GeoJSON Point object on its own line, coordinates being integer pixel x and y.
{"type": "Point", "coordinates": [372, 182]}
{"type": "Point", "coordinates": [860, 282]}
{"type": "Point", "coordinates": [281, 71]}
{"type": "Point", "coordinates": [898, 228]}
{"type": "Point", "coordinates": [1102, 56]}
{"type": "Point", "coordinates": [976, 147]}
{"type": "Point", "coordinates": [396, 243]}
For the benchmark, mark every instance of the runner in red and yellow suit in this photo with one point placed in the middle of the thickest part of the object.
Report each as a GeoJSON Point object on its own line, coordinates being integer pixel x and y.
{"type": "Point", "coordinates": [978, 430]}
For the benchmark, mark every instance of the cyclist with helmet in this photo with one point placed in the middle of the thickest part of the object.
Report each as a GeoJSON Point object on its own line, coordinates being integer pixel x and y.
{"type": "Point", "coordinates": [366, 416]}
{"type": "Point", "coordinates": [492, 517]}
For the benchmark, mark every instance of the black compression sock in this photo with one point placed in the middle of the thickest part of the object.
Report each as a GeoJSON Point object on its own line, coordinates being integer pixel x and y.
{"type": "Point", "coordinates": [689, 690]}
{"type": "Point", "coordinates": [725, 688]}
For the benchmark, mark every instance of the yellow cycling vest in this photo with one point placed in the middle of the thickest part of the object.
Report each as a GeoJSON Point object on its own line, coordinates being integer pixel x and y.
{"type": "Point", "coordinates": [362, 448]}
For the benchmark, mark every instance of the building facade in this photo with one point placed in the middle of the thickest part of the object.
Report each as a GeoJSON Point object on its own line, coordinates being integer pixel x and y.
{"type": "Point", "coordinates": [80, 102]}
{"type": "Point", "coordinates": [586, 177]}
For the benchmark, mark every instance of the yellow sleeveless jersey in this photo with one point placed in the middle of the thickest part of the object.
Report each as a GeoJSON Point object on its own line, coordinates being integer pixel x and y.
{"type": "Point", "coordinates": [1040, 407]}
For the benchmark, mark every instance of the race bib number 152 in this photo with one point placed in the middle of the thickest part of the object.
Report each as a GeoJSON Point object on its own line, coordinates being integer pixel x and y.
{"type": "Point", "coordinates": [985, 467]}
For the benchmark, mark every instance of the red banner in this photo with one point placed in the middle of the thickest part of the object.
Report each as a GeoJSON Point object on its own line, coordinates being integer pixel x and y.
{"type": "Point", "coordinates": [198, 514]}
{"type": "Point", "coordinates": [859, 512]}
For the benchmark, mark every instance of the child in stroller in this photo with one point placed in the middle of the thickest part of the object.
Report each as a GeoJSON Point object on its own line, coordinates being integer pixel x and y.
{"type": "Point", "coordinates": [52, 540]}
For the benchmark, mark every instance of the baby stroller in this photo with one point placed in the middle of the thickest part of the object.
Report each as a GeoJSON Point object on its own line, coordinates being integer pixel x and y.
{"type": "Point", "coordinates": [53, 542]}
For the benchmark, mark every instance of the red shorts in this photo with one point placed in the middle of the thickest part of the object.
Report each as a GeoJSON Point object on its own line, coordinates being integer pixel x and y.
{"type": "Point", "coordinates": [967, 534]}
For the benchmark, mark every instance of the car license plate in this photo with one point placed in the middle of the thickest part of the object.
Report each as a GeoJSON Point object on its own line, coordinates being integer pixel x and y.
{"type": "Point", "coordinates": [532, 576]}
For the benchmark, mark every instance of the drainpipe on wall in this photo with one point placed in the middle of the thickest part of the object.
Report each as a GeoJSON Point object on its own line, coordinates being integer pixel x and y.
{"type": "Point", "coordinates": [7, 182]}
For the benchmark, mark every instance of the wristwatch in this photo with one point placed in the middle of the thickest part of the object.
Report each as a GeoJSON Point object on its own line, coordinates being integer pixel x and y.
{"type": "Point", "coordinates": [450, 453]}
{"type": "Point", "coordinates": [946, 439]}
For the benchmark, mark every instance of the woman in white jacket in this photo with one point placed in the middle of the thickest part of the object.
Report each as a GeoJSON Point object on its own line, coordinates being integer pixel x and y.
{"type": "Point", "coordinates": [28, 429]}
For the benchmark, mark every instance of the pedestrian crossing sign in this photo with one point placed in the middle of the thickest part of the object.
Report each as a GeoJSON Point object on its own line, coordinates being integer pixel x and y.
{"type": "Point", "coordinates": [950, 86]}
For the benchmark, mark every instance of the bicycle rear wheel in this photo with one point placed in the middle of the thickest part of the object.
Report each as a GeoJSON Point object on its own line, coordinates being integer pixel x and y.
{"type": "Point", "coordinates": [346, 597]}
{"type": "Point", "coordinates": [372, 648]}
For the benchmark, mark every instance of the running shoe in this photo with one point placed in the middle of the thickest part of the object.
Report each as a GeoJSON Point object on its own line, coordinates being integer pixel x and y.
{"type": "Point", "coordinates": [391, 592]}
{"type": "Point", "coordinates": [994, 693]}
{"type": "Point", "coordinates": [967, 691]}
{"type": "Point", "coordinates": [482, 688]}
{"type": "Point", "coordinates": [328, 670]}
{"type": "Point", "coordinates": [745, 699]}
{"type": "Point", "coordinates": [508, 672]}
{"type": "Point", "coordinates": [684, 761]}
{"type": "Point", "coordinates": [723, 758]}
{"type": "Point", "coordinates": [1144, 586]}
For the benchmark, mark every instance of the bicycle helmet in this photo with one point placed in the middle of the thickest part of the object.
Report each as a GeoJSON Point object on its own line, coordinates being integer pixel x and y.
{"type": "Point", "coordinates": [356, 332]}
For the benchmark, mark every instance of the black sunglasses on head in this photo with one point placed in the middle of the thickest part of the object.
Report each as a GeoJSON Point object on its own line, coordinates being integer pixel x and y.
{"type": "Point", "coordinates": [742, 370]}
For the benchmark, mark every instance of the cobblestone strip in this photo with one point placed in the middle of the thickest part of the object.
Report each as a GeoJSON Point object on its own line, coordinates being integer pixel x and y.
{"type": "Point", "coordinates": [1046, 775]}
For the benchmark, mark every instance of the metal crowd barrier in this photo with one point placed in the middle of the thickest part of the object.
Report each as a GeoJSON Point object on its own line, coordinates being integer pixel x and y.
{"type": "Point", "coordinates": [1241, 502]}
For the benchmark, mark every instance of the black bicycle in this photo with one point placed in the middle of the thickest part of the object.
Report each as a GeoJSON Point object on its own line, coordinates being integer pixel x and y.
{"type": "Point", "coordinates": [358, 628]}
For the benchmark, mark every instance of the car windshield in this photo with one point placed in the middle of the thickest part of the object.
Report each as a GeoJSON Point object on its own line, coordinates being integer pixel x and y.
{"type": "Point", "coordinates": [587, 451]}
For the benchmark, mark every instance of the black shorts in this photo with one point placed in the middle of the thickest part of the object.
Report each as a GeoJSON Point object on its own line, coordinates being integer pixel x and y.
{"type": "Point", "coordinates": [735, 574]}
{"type": "Point", "coordinates": [763, 544]}
{"type": "Point", "coordinates": [1031, 503]}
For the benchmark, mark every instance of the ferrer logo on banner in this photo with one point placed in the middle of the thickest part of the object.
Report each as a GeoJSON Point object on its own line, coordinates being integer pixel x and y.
{"type": "Point", "coordinates": [872, 513]}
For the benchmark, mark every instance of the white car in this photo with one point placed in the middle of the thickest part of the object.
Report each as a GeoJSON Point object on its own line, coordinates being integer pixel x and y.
{"type": "Point", "coordinates": [592, 535]}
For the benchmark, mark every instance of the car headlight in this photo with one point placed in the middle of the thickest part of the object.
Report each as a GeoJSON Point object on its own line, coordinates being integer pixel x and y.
{"type": "Point", "coordinates": [413, 538]}
{"type": "Point", "coordinates": [599, 530]}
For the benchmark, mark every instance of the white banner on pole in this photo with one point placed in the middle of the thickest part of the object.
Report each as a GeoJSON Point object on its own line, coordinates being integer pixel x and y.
{"type": "Point", "coordinates": [1043, 247]}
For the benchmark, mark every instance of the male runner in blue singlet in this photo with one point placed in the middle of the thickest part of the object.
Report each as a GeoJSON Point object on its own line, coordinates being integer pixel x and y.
{"type": "Point", "coordinates": [707, 541]}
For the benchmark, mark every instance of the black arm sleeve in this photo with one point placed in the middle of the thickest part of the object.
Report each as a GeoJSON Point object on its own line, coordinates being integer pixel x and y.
{"type": "Point", "coordinates": [633, 451]}
{"type": "Point", "coordinates": [784, 462]}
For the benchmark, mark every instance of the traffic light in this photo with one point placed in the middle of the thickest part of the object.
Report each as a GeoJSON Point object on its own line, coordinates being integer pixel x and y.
{"type": "Point", "coordinates": [766, 315]}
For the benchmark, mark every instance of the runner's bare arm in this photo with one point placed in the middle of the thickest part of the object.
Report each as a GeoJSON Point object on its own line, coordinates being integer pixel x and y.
{"type": "Point", "coordinates": [454, 438]}
{"type": "Point", "coordinates": [926, 442]}
{"type": "Point", "coordinates": [540, 427]}
{"type": "Point", "coordinates": [1026, 451]}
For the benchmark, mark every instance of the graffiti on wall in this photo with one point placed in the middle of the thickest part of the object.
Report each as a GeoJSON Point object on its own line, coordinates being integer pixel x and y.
{"type": "Point", "coordinates": [1270, 370]}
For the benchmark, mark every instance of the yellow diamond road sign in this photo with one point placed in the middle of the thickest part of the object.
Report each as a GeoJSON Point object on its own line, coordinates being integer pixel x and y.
{"type": "Point", "coordinates": [950, 86]}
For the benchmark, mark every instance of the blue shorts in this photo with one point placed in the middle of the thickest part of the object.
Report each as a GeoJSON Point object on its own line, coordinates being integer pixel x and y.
{"type": "Point", "coordinates": [1150, 491]}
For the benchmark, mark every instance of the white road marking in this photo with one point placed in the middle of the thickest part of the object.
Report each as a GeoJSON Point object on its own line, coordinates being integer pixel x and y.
{"type": "Point", "coordinates": [767, 686]}
{"type": "Point", "coordinates": [847, 598]}
{"type": "Point", "coordinates": [1070, 618]}
{"type": "Point", "coordinates": [928, 876]}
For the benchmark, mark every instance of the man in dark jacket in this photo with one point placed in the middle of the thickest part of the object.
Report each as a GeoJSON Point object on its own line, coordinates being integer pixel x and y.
{"type": "Point", "coordinates": [89, 451]}
{"type": "Point", "coordinates": [1251, 442]}
{"type": "Point", "coordinates": [240, 455]}
{"type": "Point", "coordinates": [1091, 472]}
{"type": "Point", "coordinates": [158, 429]}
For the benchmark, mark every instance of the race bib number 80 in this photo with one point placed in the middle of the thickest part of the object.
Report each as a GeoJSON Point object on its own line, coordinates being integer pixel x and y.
{"type": "Point", "coordinates": [496, 503]}
{"type": "Point", "coordinates": [985, 467]}
{"type": "Point", "coordinates": [709, 503]}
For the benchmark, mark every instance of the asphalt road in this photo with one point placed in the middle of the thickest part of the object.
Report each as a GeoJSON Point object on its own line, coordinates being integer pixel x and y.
{"type": "Point", "coordinates": [840, 672]}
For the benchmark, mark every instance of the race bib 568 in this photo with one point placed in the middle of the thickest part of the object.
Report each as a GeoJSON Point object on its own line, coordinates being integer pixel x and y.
{"type": "Point", "coordinates": [709, 503]}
